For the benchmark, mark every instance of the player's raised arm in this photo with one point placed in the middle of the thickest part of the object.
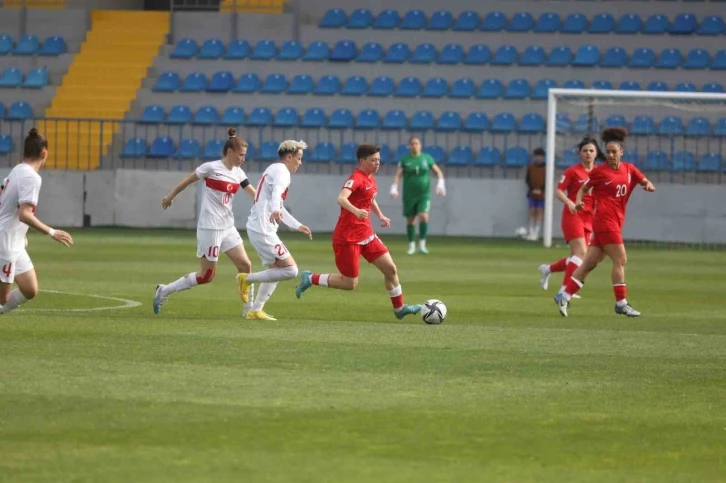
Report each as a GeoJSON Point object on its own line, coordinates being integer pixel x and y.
{"type": "Point", "coordinates": [188, 179]}
{"type": "Point", "coordinates": [440, 184]}
{"type": "Point", "coordinates": [26, 215]}
{"type": "Point", "coordinates": [345, 203]}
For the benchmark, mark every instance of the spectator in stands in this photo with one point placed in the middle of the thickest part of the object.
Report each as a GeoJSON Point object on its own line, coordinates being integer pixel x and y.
{"type": "Point", "coordinates": [535, 180]}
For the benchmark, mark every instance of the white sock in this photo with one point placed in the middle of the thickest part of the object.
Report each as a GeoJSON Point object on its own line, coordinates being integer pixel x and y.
{"type": "Point", "coordinates": [323, 280]}
{"type": "Point", "coordinates": [274, 274]}
{"type": "Point", "coordinates": [185, 283]}
{"type": "Point", "coordinates": [248, 306]}
{"type": "Point", "coordinates": [622, 303]}
{"type": "Point", "coordinates": [411, 245]}
{"type": "Point", "coordinates": [14, 301]}
{"type": "Point", "coordinates": [263, 295]}
{"type": "Point", "coordinates": [537, 228]}
{"type": "Point", "coordinates": [422, 243]}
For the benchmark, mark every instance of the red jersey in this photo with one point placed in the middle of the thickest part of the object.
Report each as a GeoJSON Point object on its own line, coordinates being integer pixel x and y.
{"type": "Point", "coordinates": [611, 189]}
{"type": "Point", "coordinates": [570, 182]}
{"type": "Point", "coordinates": [349, 228]}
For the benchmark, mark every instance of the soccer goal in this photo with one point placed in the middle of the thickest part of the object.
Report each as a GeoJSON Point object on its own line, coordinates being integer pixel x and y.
{"type": "Point", "coordinates": [678, 139]}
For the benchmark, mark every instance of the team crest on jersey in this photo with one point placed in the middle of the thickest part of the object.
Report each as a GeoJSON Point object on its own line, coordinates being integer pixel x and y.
{"type": "Point", "coordinates": [348, 184]}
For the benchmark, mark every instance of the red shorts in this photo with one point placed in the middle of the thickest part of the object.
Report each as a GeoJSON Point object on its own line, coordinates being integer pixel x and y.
{"type": "Point", "coordinates": [574, 228]}
{"type": "Point", "coordinates": [347, 255]}
{"type": "Point", "coordinates": [602, 238]}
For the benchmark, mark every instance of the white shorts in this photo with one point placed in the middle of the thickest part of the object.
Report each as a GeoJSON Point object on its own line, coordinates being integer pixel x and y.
{"type": "Point", "coordinates": [210, 243]}
{"type": "Point", "coordinates": [10, 268]}
{"type": "Point", "coordinates": [269, 247]}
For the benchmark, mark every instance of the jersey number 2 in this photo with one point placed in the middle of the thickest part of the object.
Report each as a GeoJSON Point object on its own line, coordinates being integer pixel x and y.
{"type": "Point", "coordinates": [281, 250]}
{"type": "Point", "coordinates": [621, 190]}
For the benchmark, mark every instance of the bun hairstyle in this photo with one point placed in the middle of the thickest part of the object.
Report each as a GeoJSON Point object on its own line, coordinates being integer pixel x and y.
{"type": "Point", "coordinates": [34, 145]}
{"type": "Point", "coordinates": [234, 143]}
{"type": "Point", "coordinates": [614, 135]}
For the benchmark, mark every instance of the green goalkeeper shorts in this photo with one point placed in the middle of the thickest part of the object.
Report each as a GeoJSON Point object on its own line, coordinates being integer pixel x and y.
{"type": "Point", "coordinates": [416, 206]}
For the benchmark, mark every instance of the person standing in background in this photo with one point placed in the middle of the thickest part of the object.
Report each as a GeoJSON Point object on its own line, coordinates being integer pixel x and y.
{"type": "Point", "coordinates": [535, 180]}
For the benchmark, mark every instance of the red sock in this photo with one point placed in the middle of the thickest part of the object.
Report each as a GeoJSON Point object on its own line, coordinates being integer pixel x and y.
{"type": "Point", "coordinates": [320, 279]}
{"type": "Point", "coordinates": [559, 265]}
{"type": "Point", "coordinates": [315, 278]}
{"type": "Point", "coordinates": [396, 295]}
{"type": "Point", "coordinates": [573, 286]}
{"type": "Point", "coordinates": [621, 291]}
{"type": "Point", "coordinates": [572, 265]}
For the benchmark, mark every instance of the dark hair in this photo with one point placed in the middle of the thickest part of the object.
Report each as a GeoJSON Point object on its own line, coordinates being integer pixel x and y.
{"type": "Point", "coordinates": [234, 143]}
{"type": "Point", "coordinates": [599, 156]}
{"type": "Point", "coordinates": [34, 145]}
{"type": "Point", "coordinates": [365, 150]}
{"type": "Point", "coordinates": [614, 134]}
{"type": "Point", "coordinates": [539, 152]}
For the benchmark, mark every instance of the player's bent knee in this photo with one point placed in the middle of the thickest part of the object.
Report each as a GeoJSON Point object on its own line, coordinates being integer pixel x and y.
{"type": "Point", "coordinates": [206, 277]}
{"type": "Point", "coordinates": [29, 293]}
{"type": "Point", "coordinates": [290, 271]}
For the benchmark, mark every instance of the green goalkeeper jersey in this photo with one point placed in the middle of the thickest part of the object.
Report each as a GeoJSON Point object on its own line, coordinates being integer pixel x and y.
{"type": "Point", "coordinates": [416, 175]}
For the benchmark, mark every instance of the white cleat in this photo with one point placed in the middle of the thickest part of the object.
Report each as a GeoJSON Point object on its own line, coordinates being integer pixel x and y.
{"type": "Point", "coordinates": [626, 310]}
{"type": "Point", "coordinates": [562, 304]}
{"type": "Point", "coordinates": [544, 281]}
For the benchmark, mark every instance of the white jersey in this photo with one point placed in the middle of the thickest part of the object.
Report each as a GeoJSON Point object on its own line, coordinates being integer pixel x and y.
{"type": "Point", "coordinates": [220, 186]}
{"type": "Point", "coordinates": [271, 193]}
{"type": "Point", "coordinates": [22, 186]}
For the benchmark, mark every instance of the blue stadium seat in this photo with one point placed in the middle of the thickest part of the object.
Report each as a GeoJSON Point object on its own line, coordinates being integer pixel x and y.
{"type": "Point", "coordinates": [503, 123]}
{"type": "Point", "coordinates": [642, 125]}
{"type": "Point", "coordinates": [697, 59]}
{"type": "Point", "coordinates": [569, 158]}
{"type": "Point", "coordinates": [476, 122]}
{"type": "Point", "coordinates": [533, 55]}
{"type": "Point", "coordinates": [401, 152]}
{"type": "Point", "coordinates": [563, 123]}
{"type": "Point", "coordinates": [423, 54]}
{"type": "Point", "coordinates": [532, 123]}
{"type": "Point", "coordinates": [6, 44]}
{"type": "Point", "coordinates": [542, 87]}
{"type": "Point", "coordinates": [194, 82]}
{"type": "Point", "coordinates": [711, 25]}
{"type": "Point", "coordinates": [333, 19]}
{"type": "Point", "coordinates": [516, 157]}
{"type": "Point", "coordinates": [656, 161]}
{"type": "Point", "coordinates": [301, 84]}
{"type": "Point", "coordinates": [354, 86]}
{"type": "Point", "coordinates": [461, 156]}
{"type": "Point", "coordinates": [436, 152]}
{"type": "Point", "coordinates": [719, 60]}
{"type": "Point", "coordinates": [575, 23]}
{"type": "Point", "coordinates": [670, 126]}
{"type": "Point", "coordinates": [161, 147]}
{"type": "Point", "coordinates": [505, 55]}
{"type": "Point", "coordinates": [348, 153]}
{"type": "Point", "coordinates": [490, 89]}
{"type": "Point", "coordinates": [602, 23]}
{"type": "Point", "coordinates": [698, 126]}
{"type": "Point", "coordinates": [274, 84]}
{"type": "Point", "coordinates": [451, 54]}
{"type": "Point", "coordinates": [478, 55]}
{"type": "Point", "coordinates": [629, 86]}
{"type": "Point", "coordinates": [448, 122]}
{"type": "Point", "coordinates": [211, 49]}
{"type": "Point", "coordinates": [6, 144]}
{"type": "Point", "coordinates": [328, 85]}
{"type": "Point", "coordinates": [658, 86]}
{"type": "Point", "coordinates": [408, 87]}
{"type": "Point", "coordinates": [134, 148]}
{"type": "Point", "coordinates": [488, 156]}
{"type": "Point", "coordinates": [642, 58]}
{"type": "Point", "coordinates": [387, 20]}
{"type": "Point", "coordinates": [463, 88]}
{"type": "Point", "coordinates": [614, 57]}
{"type": "Point", "coordinates": [153, 114]}
{"type": "Point", "coordinates": [360, 18]}
{"type": "Point", "coordinates": [212, 150]}
{"type": "Point", "coordinates": [260, 116]}
{"type": "Point", "coordinates": [385, 153]}
{"type": "Point", "coordinates": [440, 20]}
{"type": "Point", "coordinates": [422, 121]}
{"type": "Point", "coordinates": [466, 21]}
{"type": "Point", "coordinates": [559, 57]}
{"type": "Point", "coordinates": [586, 56]}
{"type": "Point", "coordinates": [188, 149]}
{"type": "Point", "coordinates": [395, 119]}
{"type": "Point", "coordinates": [264, 50]}
{"type": "Point", "coordinates": [36, 78]}
{"type": "Point", "coordinates": [184, 49]}
{"type": "Point", "coordinates": [586, 124]}
{"type": "Point", "coordinates": [381, 86]}
{"type": "Point", "coordinates": [602, 85]}
{"type": "Point", "coordinates": [251, 152]}
{"type": "Point", "coordinates": [370, 52]}
{"type": "Point", "coordinates": [323, 152]}
{"type": "Point", "coordinates": [290, 50]}
{"type": "Point", "coordinates": [268, 151]}
{"type": "Point", "coordinates": [517, 89]}
{"type": "Point", "coordinates": [521, 22]}
{"type": "Point", "coordinates": [248, 83]}
{"type": "Point", "coordinates": [629, 24]}
{"type": "Point", "coordinates": [206, 115]}
{"type": "Point", "coordinates": [493, 22]}
{"type": "Point", "coordinates": [180, 114]}
{"type": "Point", "coordinates": [548, 22]}
{"type": "Point", "coordinates": [669, 59]}
{"type": "Point", "coordinates": [656, 24]}
{"type": "Point", "coordinates": [317, 51]}
{"type": "Point", "coordinates": [684, 24]}
{"type": "Point", "coordinates": [685, 87]}
{"type": "Point", "coordinates": [11, 77]}
{"type": "Point", "coordinates": [713, 87]}
{"type": "Point", "coordinates": [574, 84]}
{"type": "Point", "coordinates": [397, 53]}
{"type": "Point", "coordinates": [710, 162]}
{"type": "Point", "coordinates": [341, 119]}
{"type": "Point", "coordinates": [615, 120]}
{"type": "Point", "coordinates": [413, 20]}
{"type": "Point", "coordinates": [719, 128]}
{"type": "Point", "coordinates": [286, 117]}
{"type": "Point", "coordinates": [630, 156]}
{"type": "Point", "coordinates": [238, 49]}
{"type": "Point", "coordinates": [53, 46]}
{"type": "Point", "coordinates": [233, 116]}
{"type": "Point", "coordinates": [435, 87]}
{"type": "Point", "coordinates": [221, 82]}
{"type": "Point", "coordinates": [313, 117]}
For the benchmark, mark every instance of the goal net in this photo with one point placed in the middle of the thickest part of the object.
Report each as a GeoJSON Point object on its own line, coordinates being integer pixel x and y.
{"type": "Point", "coordinates": [677, 139]}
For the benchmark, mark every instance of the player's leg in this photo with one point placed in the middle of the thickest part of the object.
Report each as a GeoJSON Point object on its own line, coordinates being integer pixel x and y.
{"type": "Point", "coordinates": [578, 249]}
{"type": "Point", "coordinates": [616, 253]}
{"type": "Point", "coordinates": [532, 218]}
{"type": "Point", "coordinates": [281, 266]}
{"type": "Point", "coordinates": [22, 273]}
{"type": "Point", "coordinates": [376, 253]}
{"type": "Point", "coordinates": [346, 259]}
{"type": "Point", "coordinates": [410, 210]}
{"type": "Point", "coordinates": [538, 216]}
{"type": "Point", "coordinates": [234, 248]}
{"type": "Point", "coordinates": [423, 224]}
{"type": "Point", "coordinates": [592, 258]}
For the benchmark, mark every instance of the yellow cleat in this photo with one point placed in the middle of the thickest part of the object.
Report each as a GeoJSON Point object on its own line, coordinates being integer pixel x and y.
{"type": "Point", "coordinates": [258, 315]}
{"type": "Point", "coordinates": [244, 287]}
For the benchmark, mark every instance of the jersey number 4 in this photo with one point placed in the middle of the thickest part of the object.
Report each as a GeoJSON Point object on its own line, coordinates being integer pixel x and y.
{"type": "Point", "coordinates": [621, 190]}
{"type": "Point", "coordinates": [8, 269]}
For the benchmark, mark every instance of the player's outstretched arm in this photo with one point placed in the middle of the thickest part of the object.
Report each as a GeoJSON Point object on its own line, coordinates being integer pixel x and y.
{"type": "Point", "coordinates": [396, 179]}
{"type": "Point", "coordinates": [440, 184]}
{"type": "Point", "coordinates": [251, 191]}
{"type": "Point", "coordinates": [345, 203]}
{"type": "Point", "coordinates": [294, 224]}
{"type": "Point", "coordinates": [385, 222]}
{"type": "Point", "coordinates": [560, 195]}
{"type": "Point", "coordinates": [647, 185]}
{"type": "Point", "coordinates": [169, 199]}
{"type": "Point", "coordinates": [26, 215]}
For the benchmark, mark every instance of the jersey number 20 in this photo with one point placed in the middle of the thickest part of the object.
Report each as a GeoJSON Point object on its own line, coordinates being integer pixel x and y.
{"type": "Point", "coordinates": [621, 190]}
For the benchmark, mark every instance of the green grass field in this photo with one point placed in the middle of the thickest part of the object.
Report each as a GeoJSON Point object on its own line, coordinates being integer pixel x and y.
{"type": "Point", "coordinates": [338, 390]}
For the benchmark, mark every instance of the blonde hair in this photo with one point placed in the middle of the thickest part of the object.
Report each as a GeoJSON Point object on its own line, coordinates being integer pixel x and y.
{"type": "Point", "coordinates": [290, 146]}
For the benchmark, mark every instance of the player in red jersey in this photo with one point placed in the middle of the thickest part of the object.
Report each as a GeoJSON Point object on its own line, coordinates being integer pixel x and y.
{"type": "Point", "coordinates": [576, 225]}
{"type": "Point", "coordinates": [354, 236]}
{"type": "Point", "coordinates": [612, 184]}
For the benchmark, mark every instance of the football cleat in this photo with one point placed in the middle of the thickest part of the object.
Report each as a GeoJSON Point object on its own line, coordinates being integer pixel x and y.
{"type": "Point", "coordinates": [407, 310]}
{"type": "Point", "coordinates": [544, 281]}
{"type": "Point", "coordinates": [562, 304]}
{"type": "Point", "coordinates": [158, 299]}
{"type": "Point", "coordinates": [305, 283]}
{"type": "Point", "coordinates": [423, 250]}
{"type": "Point", "coordinates": [244, 286]}
{"type": "Point", "coordinates": [411, 251]}
{"type": "Point", "coordinates": [258, 315]}
{"type": "Point", "coordinates": [626, 310]}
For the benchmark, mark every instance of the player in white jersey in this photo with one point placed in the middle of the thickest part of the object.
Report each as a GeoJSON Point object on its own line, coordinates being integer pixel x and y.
{"type": "Point", "coordinates": [18, 201]}
{"type": "Point", "coordinates": [265, 217]}
{"type": "Point", "coordinates": [216, 232]}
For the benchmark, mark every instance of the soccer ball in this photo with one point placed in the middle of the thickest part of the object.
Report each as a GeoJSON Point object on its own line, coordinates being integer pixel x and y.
{"type": "Point", "coordinates": [433, 311]}
{"type": "Point", "coordinates": [521, 232]}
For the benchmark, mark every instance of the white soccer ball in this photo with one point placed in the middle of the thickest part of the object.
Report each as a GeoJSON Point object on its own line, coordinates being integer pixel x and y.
{"type": "Point", "coordinates": [521, 232]}
{"type": "Point", "coordinates": [433, 311]}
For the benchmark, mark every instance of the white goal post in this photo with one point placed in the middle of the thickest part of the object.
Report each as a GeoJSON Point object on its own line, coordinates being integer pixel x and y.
{"type": "Point", "coordinates": [594, 103]}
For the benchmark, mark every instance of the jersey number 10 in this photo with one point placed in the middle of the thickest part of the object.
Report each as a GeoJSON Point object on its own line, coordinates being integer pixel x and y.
{"type": "Point", "coordinates": [621, 190]}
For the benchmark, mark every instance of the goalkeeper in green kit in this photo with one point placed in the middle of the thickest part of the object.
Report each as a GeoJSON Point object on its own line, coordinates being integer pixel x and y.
{"type": "Point", "coordinates": [415, 169]}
